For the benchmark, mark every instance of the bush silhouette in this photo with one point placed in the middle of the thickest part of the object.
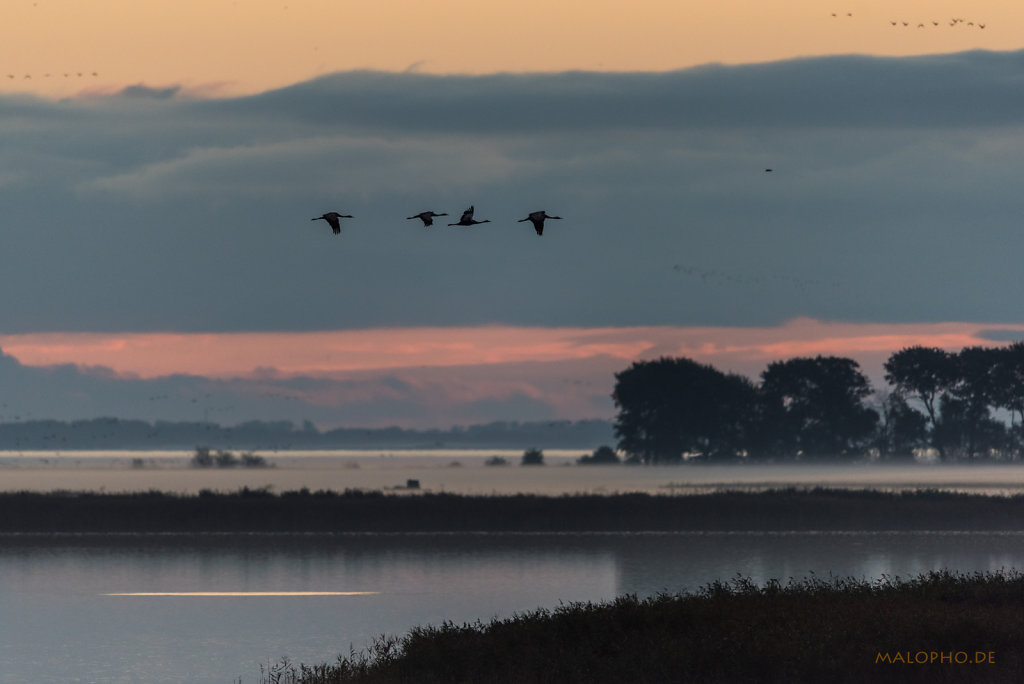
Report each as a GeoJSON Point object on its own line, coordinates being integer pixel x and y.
{"type": "Point", "coordinates": [533, 457]}
{"type": "Point", "coordinates": [603, 455]}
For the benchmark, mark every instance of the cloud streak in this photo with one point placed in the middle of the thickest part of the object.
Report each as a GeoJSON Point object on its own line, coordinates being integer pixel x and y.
{"type": "Point", "coordinates": [150, 355]}
{"type": "Point", "coordinates": [410, 377]}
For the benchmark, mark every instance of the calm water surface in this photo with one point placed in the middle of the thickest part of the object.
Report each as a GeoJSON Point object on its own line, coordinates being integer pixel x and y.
{"type": "Point", "coordinates": [60, 622]}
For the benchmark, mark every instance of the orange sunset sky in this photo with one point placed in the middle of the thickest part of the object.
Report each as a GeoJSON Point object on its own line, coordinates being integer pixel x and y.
{"type": "Point", "coordinates": [218, 46]}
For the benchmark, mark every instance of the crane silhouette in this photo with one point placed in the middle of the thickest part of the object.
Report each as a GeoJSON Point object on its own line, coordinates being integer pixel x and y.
{"type": "Point", "coordinates": [537, 219]}
{"type": "Point", "coordinates": [332, 218]}
{"type": "Point", "coordinates": [427, 217]}
{"type": "Point", "coordinates": [468, 220]}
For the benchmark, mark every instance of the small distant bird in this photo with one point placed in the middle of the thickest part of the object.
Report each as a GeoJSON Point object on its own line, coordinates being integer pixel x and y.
{"type": "Point", "coordinates": [467, 219]}
{"type": "Point", "coordinates": [332, 218]}
{"type": "Point", "coordinates": [537, 219]}
{"type": "Point", "coordinates": [426, 216]}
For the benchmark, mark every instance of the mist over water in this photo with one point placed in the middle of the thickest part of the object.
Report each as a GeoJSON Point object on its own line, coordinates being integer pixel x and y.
{"type": "Point", "coordinates": [465, 472]}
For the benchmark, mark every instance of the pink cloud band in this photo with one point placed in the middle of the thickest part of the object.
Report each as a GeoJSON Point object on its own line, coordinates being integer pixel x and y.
{"type": "Point", "coordinates": [281, 354]}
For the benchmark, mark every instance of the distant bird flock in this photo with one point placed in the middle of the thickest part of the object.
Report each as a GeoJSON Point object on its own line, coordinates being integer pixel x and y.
{"type": "Point", "coordinates": [69, 74]}
{"type": "Point", "coordinates": [952, 23]}
{"type": "Point", "coordinates": [537, 218]}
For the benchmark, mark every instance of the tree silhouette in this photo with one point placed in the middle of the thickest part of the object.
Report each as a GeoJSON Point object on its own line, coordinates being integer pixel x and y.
{"type": "Point", "coordinates": [925, 374]}
{"type": "Point", "coordinates": [901, 429]}
{"type": "Point", "coordinates": [975, 391]}
{"type": "Point", "coordinates": [1008, 390]}
{"type": "Point", "coordinates": [962, 433]}
{"type": "Point", "coordinates": [817, 407]}
{"type": "Point", "coordinates": [675, 406]}
{"type": "Point", "coordinates": [673, 409]}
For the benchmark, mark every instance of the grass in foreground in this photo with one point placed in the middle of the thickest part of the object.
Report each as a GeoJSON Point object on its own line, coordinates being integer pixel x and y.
{"type": "Point", "coordinates": [963, 628]}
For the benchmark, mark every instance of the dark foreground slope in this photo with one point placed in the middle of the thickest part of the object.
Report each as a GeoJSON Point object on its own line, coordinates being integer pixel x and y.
{"type": "Point", "coordinates": [936, 627]}
{"type": "Point", "coordinates": [250, 511]}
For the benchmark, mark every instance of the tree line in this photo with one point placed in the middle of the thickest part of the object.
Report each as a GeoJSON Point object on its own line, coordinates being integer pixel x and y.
{"type": "Point", "coordinates": [119, 433]}
{"type": "Point", "coordinates": [959, 406]}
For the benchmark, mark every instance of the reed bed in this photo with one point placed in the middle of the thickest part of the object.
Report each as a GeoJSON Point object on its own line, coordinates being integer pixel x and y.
{"type": "Point", "coordinates": [255, 511]}
{"type": "Point", "coordinates": [939, 626]}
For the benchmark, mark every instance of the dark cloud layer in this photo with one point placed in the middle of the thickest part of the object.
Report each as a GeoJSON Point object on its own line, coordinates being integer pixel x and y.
{"type": "Point", "coordinates": [893, 196]}
{"type": "Point", "coordinates": [843, 91]}
{"type": "Point", "coordinates": [414, 397]}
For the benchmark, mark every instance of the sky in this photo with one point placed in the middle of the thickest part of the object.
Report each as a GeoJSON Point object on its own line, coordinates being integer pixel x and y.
{"type": "Point", "coordinates": [160, 164]}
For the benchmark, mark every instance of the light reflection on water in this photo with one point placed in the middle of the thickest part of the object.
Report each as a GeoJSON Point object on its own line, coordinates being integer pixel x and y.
{"type": "Point", "coordinates": [239, 594]}
{"type": "Point", "coordinates": [61, 626]}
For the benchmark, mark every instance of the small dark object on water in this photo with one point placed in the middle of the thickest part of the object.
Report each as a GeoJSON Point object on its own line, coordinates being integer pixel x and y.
{"type": "Point", "coordinates": [412, 484]}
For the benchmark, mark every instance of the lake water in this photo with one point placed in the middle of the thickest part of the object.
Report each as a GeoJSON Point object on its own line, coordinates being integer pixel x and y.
{"type": "Point", "coordinates": [212, 609]}
{"type": "Point", "coordinates": [158, 608]}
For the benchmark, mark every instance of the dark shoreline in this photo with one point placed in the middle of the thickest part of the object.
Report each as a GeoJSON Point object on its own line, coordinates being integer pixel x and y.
{"type": "Point", "coordinates": [939, 626]}
{"type": "Point", "coordinates": [259, 511]}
